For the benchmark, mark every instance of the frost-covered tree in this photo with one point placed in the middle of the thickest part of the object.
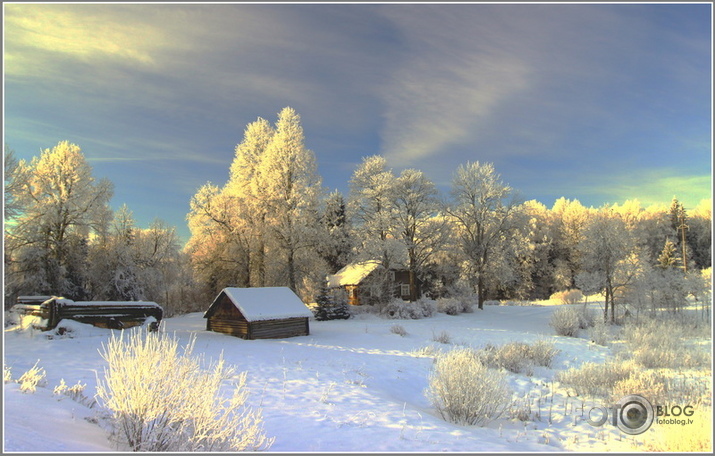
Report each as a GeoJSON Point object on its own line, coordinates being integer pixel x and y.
{"type": "Point", "coordinates": [62, 205]}
{"type": "Point", "coordinates": [262, 227]}
{"type": "Point", "coordinates": [608, 256]}
{"type": "Point", "coordinates": [570, 218]}
{"type": "Point", "coordinates": [482, 207]}
{"type": "Point", "coordinates": [219, 240]}
{"type": "Point", "coordinates": [118, 255]}
{"type": "Point", "coordinates": [292, 188]}
{"type": "Point", "coordinates": [668, 258]}
{"type": "Point", "coordinates": [372, 208]}
{"type": "Point", "coordinates": [700, 234]}
{"type": "Point", "coordinates": [418, 224]}
{"type": "Point", "coordinates": [679, 224]}
{"type": "Point", "coordinates": [246, 186]}
{"type": "Point", "coordinates": [535, 226]}
{"type": "Point", "coordinates": [11, 207]}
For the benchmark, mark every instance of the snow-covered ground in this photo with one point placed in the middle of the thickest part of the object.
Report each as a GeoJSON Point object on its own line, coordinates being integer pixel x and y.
{"type": "Point", "coordinates": [350, 386]}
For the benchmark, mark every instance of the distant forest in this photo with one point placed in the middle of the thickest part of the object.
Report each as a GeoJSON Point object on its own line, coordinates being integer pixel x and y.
{"type": "Point", "coordinates": [274, 224]}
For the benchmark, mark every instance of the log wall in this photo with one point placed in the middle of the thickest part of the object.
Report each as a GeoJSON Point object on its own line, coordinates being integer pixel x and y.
{"type": "Point", "coordinates": [265, 329]}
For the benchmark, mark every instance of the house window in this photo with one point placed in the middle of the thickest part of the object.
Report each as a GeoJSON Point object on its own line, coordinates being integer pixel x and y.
{"type": "Point", "coordinates": [405, 289]}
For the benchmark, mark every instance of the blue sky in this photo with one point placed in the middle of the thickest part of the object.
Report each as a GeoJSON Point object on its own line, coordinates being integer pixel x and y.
{"type": "Point", "coordinates": [595, 102]}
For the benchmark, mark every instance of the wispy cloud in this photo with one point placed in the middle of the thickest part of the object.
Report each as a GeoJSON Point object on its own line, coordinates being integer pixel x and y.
{"type": "Point", "coordinates": [451, 78]}
{"type": "Point", "coordinates": [79, 32]}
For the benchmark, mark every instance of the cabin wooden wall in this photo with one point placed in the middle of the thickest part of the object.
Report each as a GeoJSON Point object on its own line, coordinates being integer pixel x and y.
{"type": "Point", "coordinates": [264, 329]}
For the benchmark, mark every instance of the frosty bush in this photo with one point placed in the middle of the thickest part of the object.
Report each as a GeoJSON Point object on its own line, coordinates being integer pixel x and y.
{"type": "Point", "coordinates": [518, 357]}
{"type": "Point", "coordinates": [164, 400]}
{"type": "Point", "coordinates": [600, 333]}
{"type": "Point", "coordinates": [465, 391]}
{"type": "Point", "coordinates": [399, 330]}
{"type": "Point", "coordinates": [402, 310]}
{"type": "Point", "coordinates": [660, 343]}
{"type": "Point", "coordinates": [30, 380]}
{"type": "Point", "coordinates": [593, 379]}
{"type": "Point", "coordinates": [443, 337]}
{"type": "Point", "coordinates": [565, 322]}
{"type": "Point", "coordinates": [454, 306]}
{"type": "Point", "coordinates": [573, 296]}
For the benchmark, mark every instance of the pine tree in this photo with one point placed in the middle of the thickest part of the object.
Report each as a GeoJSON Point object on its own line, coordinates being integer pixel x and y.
{"type": "Point", "coordinates": [328, 308]}
{"type": "Point", "coordinates": [668, 257]}
{"type": "Point", "coordinates": [324, 302]}
{"type": "Point", "coordinates": [336, 247]}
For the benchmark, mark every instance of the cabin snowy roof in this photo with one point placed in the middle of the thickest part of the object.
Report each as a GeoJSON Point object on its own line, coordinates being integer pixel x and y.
{"type": "Point", "coordinates": [352, 274]}
{"type": "Point", "coordinates": [269, 303]}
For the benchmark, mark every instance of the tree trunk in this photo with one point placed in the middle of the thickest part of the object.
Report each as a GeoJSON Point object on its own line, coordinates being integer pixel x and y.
{"type": "Point", "coordinates": [291, 270]}
{"type": "Point", "coordinates": [480, 292]}
{"type": "Point", "coordinates": [413, 286]}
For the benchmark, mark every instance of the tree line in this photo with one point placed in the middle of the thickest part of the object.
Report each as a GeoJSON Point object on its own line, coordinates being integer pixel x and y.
{"type": "Point", "coordinates": [272, 223]}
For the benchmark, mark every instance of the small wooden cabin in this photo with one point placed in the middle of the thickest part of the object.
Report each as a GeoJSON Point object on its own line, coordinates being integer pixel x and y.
{"type": "Point", "coordinates": [258, 313]}
{"type": "Point", "coordinates": [357, 279]}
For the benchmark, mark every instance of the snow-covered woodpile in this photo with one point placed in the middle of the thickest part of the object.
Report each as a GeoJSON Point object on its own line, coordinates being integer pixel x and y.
{"type": "Point", "coordinates": [46, 312]}
{"type": "Point", "coordinates": [258, 313]}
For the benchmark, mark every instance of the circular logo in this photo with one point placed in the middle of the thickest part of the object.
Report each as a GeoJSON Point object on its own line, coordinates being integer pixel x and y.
{"type": "Point", "coordinates": [635, 414]}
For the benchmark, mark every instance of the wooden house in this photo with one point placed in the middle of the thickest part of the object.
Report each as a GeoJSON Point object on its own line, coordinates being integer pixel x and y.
{"type": "Point", "coordinates": [258, 313]}
{"type": "Point", "coordinates": [361, 280]}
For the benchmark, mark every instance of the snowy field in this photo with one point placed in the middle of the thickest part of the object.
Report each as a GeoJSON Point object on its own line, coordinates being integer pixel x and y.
{"type": "Point", "coordinates": [350, 386]}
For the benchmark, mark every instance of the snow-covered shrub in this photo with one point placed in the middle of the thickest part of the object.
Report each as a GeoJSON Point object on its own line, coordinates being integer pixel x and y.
{"type": "Point", "coordinates": [7, 374]}
{"type": "Point", "coordinates": [402, 310]}
{"type": "Point", "coordinates": [586, 318]}
{"type": "Point", "coordinates": [164, 400]}
{"type": "Point", "coordinates": [649, 384]}
{"type": "Point", "coordinates": [660, 343]}
{"type": "Point", "coordinates": [450, 306]}
{"type": "Point", "coordinates": [592, 379]}
{"type": "Point", "coordinates": [75, 392]}
{"type": "Point", "coordinates": [518, 357]}
{"type": "Point", "coordinates": [513, 357]}
{"type": "Point", "coordinates": [30, 380]}
{"type": "Point", "coordinates": [573, 296]}
{"type": "Point", "coordinates": [454, 306]}
{"type": "Point", "coordinates": [543, 352]}
{"type": "Point", "coordinates": [600, 332]}
{"type": "Point", "coordinates": [565, 322]}
{"type": "Point", "coordinates": [465, 391]}
{"type": "Point", "coordinates": [443, 337]}
{"type": "Point", "coordinates": [399, 330]}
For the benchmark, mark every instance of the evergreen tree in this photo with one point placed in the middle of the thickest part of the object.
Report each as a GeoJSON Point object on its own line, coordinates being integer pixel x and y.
{"type": "Point", "coordinates": [668, 257]}
{"type": "Point", "coordinates": [336, 246]}
{"type": "Point", "coordinates": [328, 308]}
